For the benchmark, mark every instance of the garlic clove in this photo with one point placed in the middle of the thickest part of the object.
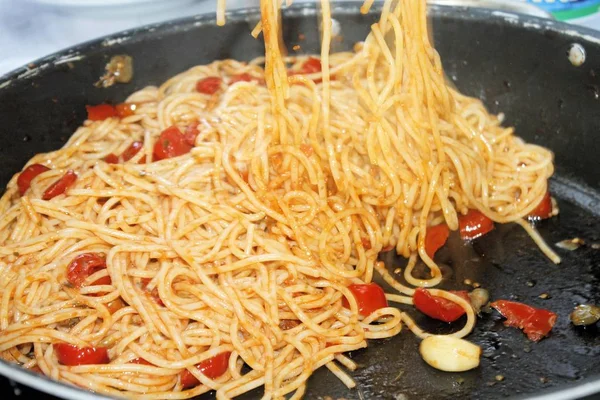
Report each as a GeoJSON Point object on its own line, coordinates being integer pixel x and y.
{"type": "Point", "coordinates": [448, 353]}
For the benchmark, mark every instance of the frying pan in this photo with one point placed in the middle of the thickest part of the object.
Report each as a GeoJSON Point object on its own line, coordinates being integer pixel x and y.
{"type": "Point", "coordinates": [516, 64]}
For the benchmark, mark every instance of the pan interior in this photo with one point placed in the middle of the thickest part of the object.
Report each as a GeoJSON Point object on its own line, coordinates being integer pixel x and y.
{"type": "Point", "coordinates": [517, 66]}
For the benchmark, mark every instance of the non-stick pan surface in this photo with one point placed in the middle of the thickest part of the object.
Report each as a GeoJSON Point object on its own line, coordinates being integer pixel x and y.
{"type": "Point", "coordinates": [516, 64]}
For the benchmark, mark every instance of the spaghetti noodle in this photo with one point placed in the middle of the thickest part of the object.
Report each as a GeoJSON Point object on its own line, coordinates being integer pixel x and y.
{"type": "Point", "coordinates": [242, 209]}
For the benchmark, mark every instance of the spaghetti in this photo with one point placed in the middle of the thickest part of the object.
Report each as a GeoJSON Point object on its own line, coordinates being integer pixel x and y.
{"type": "Point", "coordinates": [242, 209]}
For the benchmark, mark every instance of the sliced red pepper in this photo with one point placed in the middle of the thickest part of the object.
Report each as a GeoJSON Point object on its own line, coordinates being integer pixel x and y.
{"type": "Point", "coordinates": [171, 143]}
{"type": "Point", "coordinates": [474, 225]}
{"type": "Point", "coordinates": [212, 368]}
{"type": "Point", "coordinates": [435, 238]}
{"type": "Point", "coordinates": [85, 265]}
{"type": "Point", "coordinates": [100, 112]}
{"type": "Point", "coordinates": [438, 307]}
{"type": "Point", "coordinates": [124, 110]}
{"type": "Point", "coordinates": [535, 322]}
{"type": "Point", "coordinates": [544, 209]}
{"type": "Point", "coordinates": [24, 179]}
{"type": "Point", "coordinates": [71, 355]}
{"type": "Point", "coordinates": [369, 296]}
{"type": "Point", "coordinates": [209, 85]}
{"type": "Point", "coordinates": [60, 186]}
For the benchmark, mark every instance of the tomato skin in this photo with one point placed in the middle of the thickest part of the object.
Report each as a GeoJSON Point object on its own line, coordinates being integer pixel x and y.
{"type": "Point", "coordinates": [435, 238]}
{"type": "Point", "coordinates": [370, 297]}
{"type": "Point", "coordinates": [111, 159]}
{"type": "Point", "coordinates": [100, 112]}
{"type": "Point", "coordinates": [24, 179]}
{"type": "Point", "coordinates": [60, 186]}
{"type": "Point", "coordinates": [544, 209]}
{"type": "Point", "coordinates": [123, 110]}
{"type": "Point", "coordinates": [311, 65]}
{"type": "Point", "coordinates": [71, 355]}
{"type": "Point", "coordinates": [535, 322]}
{"type": "Point", "coordinates": [190, 134]}
{"type": "Point", "coordinates": [245, 77]}
{"type": "Point", "coordinates": [85, 265]}
{"type": "Point", "coordinates": [132, 150]}
{"type": "Point", "coordinates": [171, 143]}
{"type": "Point", "coordinates": [474, 224]}
{"type": "Point", "coordinates": [209, 85]}
{"type": "Point", "coordinates": [212, 368]}
{"type": "Point", "coordinates": [438, 307]}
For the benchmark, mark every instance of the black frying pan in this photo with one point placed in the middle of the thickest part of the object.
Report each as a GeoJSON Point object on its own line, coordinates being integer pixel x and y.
{"type": "Point", "coordinates": [516, 64]}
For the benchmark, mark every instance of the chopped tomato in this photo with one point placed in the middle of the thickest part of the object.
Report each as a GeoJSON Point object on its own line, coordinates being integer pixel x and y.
{"type": "Point", "coordinates": [111, 159]}
{"type": "Point", "coordinates": [311, 66]}
{"type": "Point", "coordinates": [124, 110]}
{"type": "Point", "coordinates": [438, 307]}
{"type": "Point", "coordinates": [370, 297]}
{"type": "Point", "coordinates": [114, 305]}
{"type": "Point", "coordinates": [190, 134]}
{"type": "Point", "coordinates": [25, 177]}
{"type": "Point", "coordinates": [140, 361]}
{"type": "Point", "coordinates": [100, 112]}
{"type": "Point", "coordinates": [474, 225]}
{"type": "Point", "coordinates": [69, 354]}
{"type": "Point", "coordinates": [286, 324]}
{"type": "Point", "coordinates": [435, 238]}
{"type": "Point", "coordinates": [132, 150]}
{"type": "Point", "coordinates": [544, 209]}
{"type": "Point", "coordinates": [171, 143]}
{"type": "Point", "coordinates": [245, 77]}
{"type": "Point", "coordinates": [212, 368]}
{"type": "Point", "coordinates": [535, 322]}
{"type": "Point", "coordinates": [85, 265]}
{"type": "Point", "coordinates": [209, 85]}
{"type": "Point", "coordinates": [60, 186]}
{"type": "Point", "coordinates": [153, 293]}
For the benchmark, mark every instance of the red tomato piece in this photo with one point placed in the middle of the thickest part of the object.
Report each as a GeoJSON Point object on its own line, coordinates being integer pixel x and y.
{"type": "Point", "coordinates": [474, 225]}
{"type": "Point", "coordinates": [171, 143]}
{"type": "Point", "coordinates": [535, 322]}
{"type": "Point", "coordinates": [114, 305]}
{"type": "Point", "coordinates": [245, 77]}
{"type": "Point", "coordinates": [85, 265]}
{"type": "Point", "coordinates": [154, 293]}
{"type": "Point", "coordinates": [209, 85]}
{"type": "Point", "coordinates": [544, 209]}
{"type": "Point", "coordinates": [132, 150]}
{"type": "Point", "coordinates": [190, 134]}
{"type": "Point", "coordinates": [123, 110]}
{"type": "Point", "coordinates": [100, 112]}
{"type": "Point", "coordinates": [111, 159]}
{"type": "Point", "coordinates": [369, 296]}
{"type": "Point", "coordinates": [69, 354]}
{"type": "Point", "coordinates": [435, 238]}
{"type": "Point", "coordinates": [60, 186]}
{"type": "Point", "coordinates": [311, 66]}
{"type": "Point", "coordinates": [438, 307]}
{"type": "Point", "coordinates": [25, 177]}
{"type": "Point", "coordinates": [212, 368]}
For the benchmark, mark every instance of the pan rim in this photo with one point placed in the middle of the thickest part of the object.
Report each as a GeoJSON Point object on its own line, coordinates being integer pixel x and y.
{"type": "Point", "coordinates": [78, 52]}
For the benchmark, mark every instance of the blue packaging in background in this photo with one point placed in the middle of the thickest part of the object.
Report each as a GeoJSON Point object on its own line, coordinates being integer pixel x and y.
{"type": "Point", "coordinates": [569, 9]}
